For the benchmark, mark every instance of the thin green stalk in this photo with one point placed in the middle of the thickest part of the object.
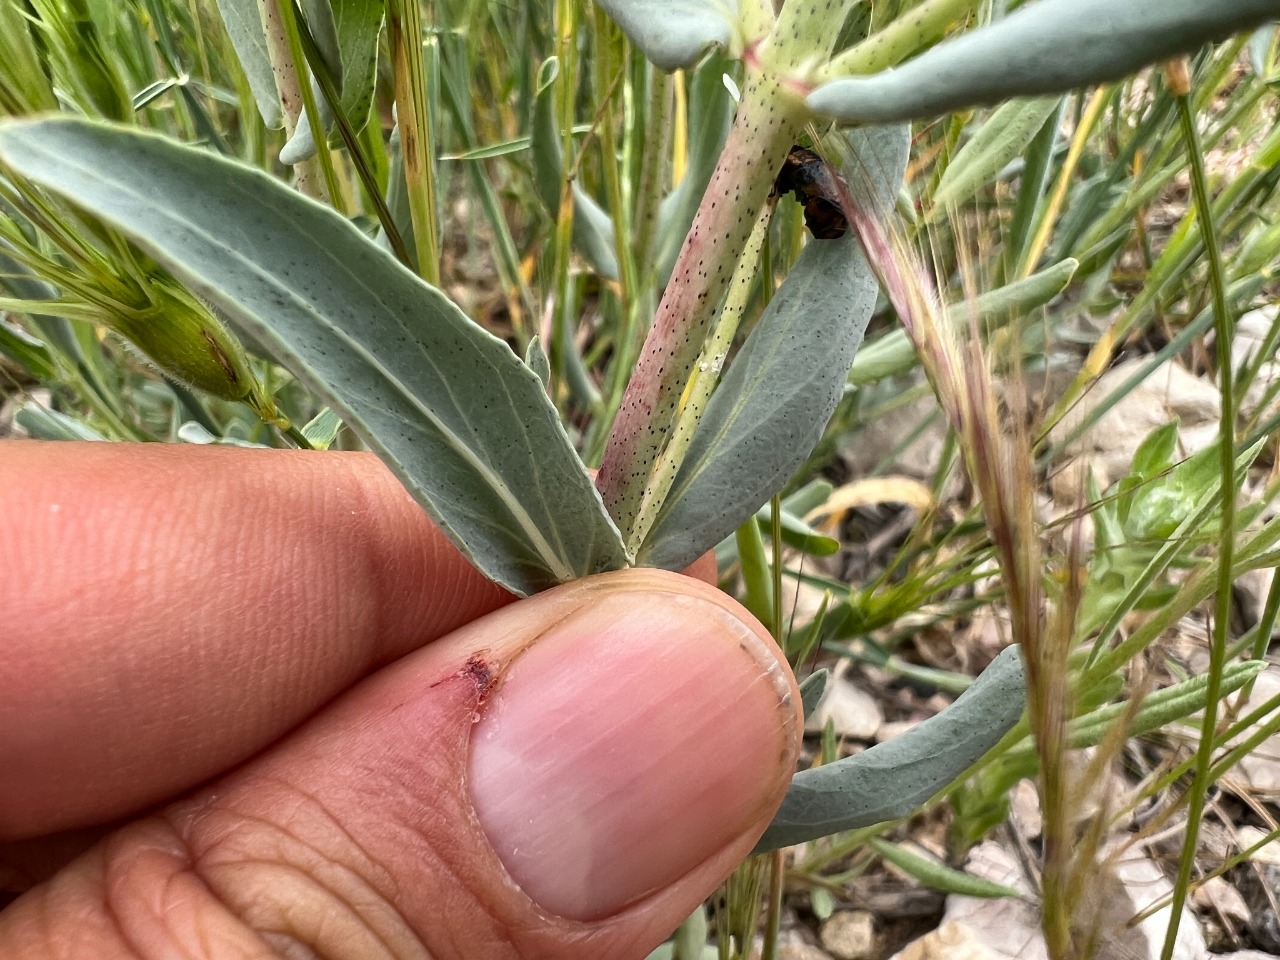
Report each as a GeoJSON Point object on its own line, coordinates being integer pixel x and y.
{"type": "Point", "coordinates": [607, 77]}
{"type": "Point", "coordinates": [566, 17]}
{"type": "Point", "coordinates": [655, 153]}
{"type": "Point", "coordinates": [291, 20]}
{"type": "Point", "coordinates": [773, 909]}
{"type": "Point", "coordinates": [373, 193]}
{"type": "Point", "coordinates": [1244, 746]}
{"type": "Point", "coordinates": [638, 305]}
{"type": "Point", "coordinates": [1229, 863]}
{"type": "Point", "coordinates": [897, 41]}
{"type": "Point", "coordinates": [456, 77]}
{"type": "Point", "coordinates": [1183, 249]}
{"type": "Point", "coordinates": [404, 30]}
{"type": "Point", "coordinates": [1195, 590]}
{"type": "Point", "coordinates": [1226, 540]}
{"type": "Point", "coordinates": [298, 437]}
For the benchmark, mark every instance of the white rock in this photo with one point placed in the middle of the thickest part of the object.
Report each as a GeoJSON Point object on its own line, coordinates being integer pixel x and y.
{"type": "Point", "coordinates": [849, 935]}
{"type": "Point", "coordinates": [1011, 928]}
{"type": "Point", "coordinates": [1258, 773]}
{"type": "Point", "coordinates": [853, 713]}
{"type": "Point", "coordinates": [951, 941]}
{"type": "Point", "coordinates": [1268, 854]}
{"type": "Point", "coordinates": [1006, 928]}
{"type": "Point", "coordinates": [1168, 393]}
{"type": "Point", "coordinates": [1024, 809]}
{"type": "Point", "coordinates": [1216, 895]}
{"type": "Point", "coordinates": [793, 946]}
{"type": "Point", "coordinates": [895, 728]}
{"type": "Point", "coordinates": [1251, 330]}
{"type": "Point", "coordinates": [884, 435]}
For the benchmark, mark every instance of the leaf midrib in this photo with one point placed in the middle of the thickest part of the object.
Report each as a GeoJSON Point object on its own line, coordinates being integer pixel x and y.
{"type": "Point", "coordinates": [553, 562]}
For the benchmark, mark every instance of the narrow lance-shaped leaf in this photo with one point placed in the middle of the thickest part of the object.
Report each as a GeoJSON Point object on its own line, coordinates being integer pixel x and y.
{"type": "Point", "coordinates": [28, 351]}
{"type": "Point", "coordinates": [674, 34]}
{"type": "Point", "coordinates": [1049, 46]}
{"type": "Point", "coordinates": [894, 353]}
{"type": "Point", "coordinates": [460, 419]}
{"type": "Point", "coordinates": [244, 28]}
{"type": "Point", "coordinates": [353, 28]}
{"type": "Point", "coordinates": [938, 876]}
{"type": "Point", "coordinates": [319, 16]}
{"type": "Point", "coordinates": [766, 416]}
{"type": "Point", "coordinates": [796, 533]}
{"type": "Point", "coordinates": [592, 227]}
{"type": "Point", "coordinates": [1003, 137]}
{"type": "Point", "coordinates": [893, 779]}
{"type": "Point", "coordinates": [812, 688]}
{"type": "Point", "coordinates": [359, 25]}
{"type": "Point", "coordinates": [41, 423]}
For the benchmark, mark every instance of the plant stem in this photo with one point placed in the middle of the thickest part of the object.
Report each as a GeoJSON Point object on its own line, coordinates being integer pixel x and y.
{"type": "Point", "coordinates": [292, 29]}
{"type": "Point", "coordinates": [769, 117]}
{"type": "Point", "coordinates": [1049, 217]}
{"type": "Point", "coordinates": [404, 30]}
{"type": "Point", "coordinates": [288, 86]}
{"type": "Point", "coordinates": [894, 43]}
{"type": "Point", "coordinates": [773, 909]}
{"type": "Point", "coordinates": [701, 383]}
{"type": "Point", "coordinates": [1226, 532]}
{"type": "Point", "coordinates": [758, 141]}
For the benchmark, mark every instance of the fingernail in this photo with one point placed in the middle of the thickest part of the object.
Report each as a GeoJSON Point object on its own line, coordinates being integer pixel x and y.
{"type": "Point", "coordinates": [627, 745]}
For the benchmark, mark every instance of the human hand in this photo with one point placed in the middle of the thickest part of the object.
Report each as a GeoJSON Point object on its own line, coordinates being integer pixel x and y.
{"type": "Point", "coordinates": [286, 718]}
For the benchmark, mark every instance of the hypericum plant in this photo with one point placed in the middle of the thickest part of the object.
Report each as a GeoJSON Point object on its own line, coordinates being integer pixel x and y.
{"type": "Point", "coordinates": [457, 415]}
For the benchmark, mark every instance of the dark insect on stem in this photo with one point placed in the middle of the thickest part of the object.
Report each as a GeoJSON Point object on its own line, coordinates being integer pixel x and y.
{"type": "Point", "coordinates": [814, 183]}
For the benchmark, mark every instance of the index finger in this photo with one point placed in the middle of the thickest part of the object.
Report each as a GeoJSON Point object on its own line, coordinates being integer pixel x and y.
{"type": "Point", "coordinates": [167, 611]}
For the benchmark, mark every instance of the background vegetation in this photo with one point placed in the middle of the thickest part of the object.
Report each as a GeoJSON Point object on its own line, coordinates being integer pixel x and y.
{"type": "Point", "coordinates": [1098, 250]}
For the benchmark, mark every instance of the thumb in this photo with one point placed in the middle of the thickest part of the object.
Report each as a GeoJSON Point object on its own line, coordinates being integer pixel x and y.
{"type": "Point", "coordinates": [567, 777]}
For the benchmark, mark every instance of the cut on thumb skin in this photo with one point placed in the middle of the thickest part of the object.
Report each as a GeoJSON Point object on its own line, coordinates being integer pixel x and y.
{"type": "Point", "coordinates": [567, 777]}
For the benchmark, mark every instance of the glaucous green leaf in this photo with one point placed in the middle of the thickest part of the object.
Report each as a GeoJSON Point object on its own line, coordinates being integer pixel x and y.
{"type": "Point", "coordinates": [302, 145]}
{"type": "Point", "coordinates": [674, 34]}
{"type": "Point", "coordinates": [244, 28]}
{"type": "Point", "coordinates": [893, 779]}
{"type": "Point", "coordinates": [349, 40]}
{"type": "Point", "coordinates": [1048, 46]}
{"type": "Point", "coordinates": [28, 351]}
{"type": "Point", "coordinates": [41, 423]}
{"type": "Point", "coordinates": [893, 352]}
{"type": "Point", "coordinates": [938, 876]}
{"type": "Point", "coordinates": [798, 534]}
{"type": "Point", "coordinates": [1003, 137]}
{"type": "Point", "coordinates": [812, 688]}
{"type": "Point", "coordinates": [318, 16]}
{"type": "Point", "coordinates": [461, 420]}
{"type": "Point", "coordinates": [1260, 51]}
{"type": "Point", "coordinates": [772, 406]}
